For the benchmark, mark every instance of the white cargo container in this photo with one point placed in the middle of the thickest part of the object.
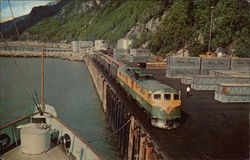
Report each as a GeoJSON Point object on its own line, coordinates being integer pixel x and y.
{"type": "Point", "coordinates": [101, 45]}
{"type": "Point", "coordinates": [215, 63]}
{"type": "Point", "coordinates": [193, 62]}
{"type": "Point", "coordinates": [240, 63]}
{"type": "Point", "coordinates": [121, 54]}
{"type": "Point", "coordinates": [139, 58]}
{"type": "Point", "coordinates": [75, 46]}
{"type": "Point", "coordinates": [79, 45]}
{"type": "Point", "coordinates": [233, 93]}
{"type": "Point", "coordinates": [124, 43]}
{"type": "Point", "coordinates": [139, 52]}
{"type": "Point", "coordinates": [180, 72]}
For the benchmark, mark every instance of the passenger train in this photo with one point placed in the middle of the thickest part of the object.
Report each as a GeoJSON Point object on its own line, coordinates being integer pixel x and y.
{"type": "Point", "coordinates": [161, 102]}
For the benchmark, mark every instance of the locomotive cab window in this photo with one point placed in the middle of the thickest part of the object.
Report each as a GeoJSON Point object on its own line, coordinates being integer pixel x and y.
{"type": "Point", "coordinates": [157, 96]}
{"type": "Point", "coordinates": [167, 96]}
{"type": "Point", "coordinates": [142, 90]}
{"type": "Point", "coordinates": [126, 79]}
{"type": "Point", "coordinates": [176, 97]}
{"type": "Point", "coordinates": [149, 96]}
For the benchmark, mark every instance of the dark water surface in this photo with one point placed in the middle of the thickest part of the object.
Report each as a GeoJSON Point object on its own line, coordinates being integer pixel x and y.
{"type": "Point", "coordinates": [68, 87]}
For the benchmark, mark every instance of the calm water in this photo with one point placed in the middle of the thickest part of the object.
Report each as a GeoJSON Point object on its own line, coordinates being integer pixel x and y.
{"type": "Point", "coordinates": [68, 87]}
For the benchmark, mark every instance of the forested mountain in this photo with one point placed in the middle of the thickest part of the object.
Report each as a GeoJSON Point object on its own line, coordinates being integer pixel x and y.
{"type": "Point", "coordinates": [163, 26]}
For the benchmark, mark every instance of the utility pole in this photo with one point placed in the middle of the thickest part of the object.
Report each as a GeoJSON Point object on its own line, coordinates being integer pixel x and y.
{"type": "Point", "coordinates": [210, 29]}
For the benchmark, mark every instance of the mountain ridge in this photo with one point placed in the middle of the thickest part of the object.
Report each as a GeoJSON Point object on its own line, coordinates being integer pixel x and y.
{"type": "Point", "coordinates": [162, 26]}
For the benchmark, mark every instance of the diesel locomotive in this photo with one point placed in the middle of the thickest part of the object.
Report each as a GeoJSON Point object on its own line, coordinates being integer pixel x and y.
{"type": "Point", "coordinates": [160, 101]}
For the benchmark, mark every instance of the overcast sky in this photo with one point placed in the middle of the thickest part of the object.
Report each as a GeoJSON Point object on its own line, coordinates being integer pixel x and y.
{"type": "Point", "coordinates": [19, 7]}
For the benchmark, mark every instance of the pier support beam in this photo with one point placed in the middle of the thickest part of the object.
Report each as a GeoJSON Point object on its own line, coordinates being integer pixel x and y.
{"type": "Point", "coordinates": [143, 140]}
{"type": "Point", "coordinates": [149, 150]}
{"type": "Point", "coordinates": [131, 137]}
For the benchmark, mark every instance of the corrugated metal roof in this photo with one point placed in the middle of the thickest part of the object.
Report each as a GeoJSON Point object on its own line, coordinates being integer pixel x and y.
{"type": "Point", "coordinates": [234, 84]}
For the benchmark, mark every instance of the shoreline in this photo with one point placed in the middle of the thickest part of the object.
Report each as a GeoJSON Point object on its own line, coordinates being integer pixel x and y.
{"type": "Point", "coordinates": [61, 55]}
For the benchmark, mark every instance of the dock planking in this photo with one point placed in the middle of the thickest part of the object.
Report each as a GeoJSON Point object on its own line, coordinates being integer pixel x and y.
{"type": "Point", "coordinates": [209, 129]}
{"type": "Point", "coordinates": [220, 130]}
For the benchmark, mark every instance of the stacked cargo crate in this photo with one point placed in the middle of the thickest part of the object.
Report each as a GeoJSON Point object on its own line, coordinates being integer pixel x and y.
{"type": "Point", "coordinates": [208, 64]}
{"type": "Point", "coordinates": [229, 77]}
{"type": "Point", "coordinates": [187, 80]}
{"type": "Point", "coordinates": [121, 54]}
{"type": "Point", "coordinates": [178, 67]}
{"type": "Point", "coordinates": [242, 64]}
{"type": "Point", "coordinates": [231, 93]}
{"type": "Point", "coordinates": [139, 55]}
{"type": "Point", "coordinates": [208, 82]}
{"type": "Point", "coordinates": [238, 73]}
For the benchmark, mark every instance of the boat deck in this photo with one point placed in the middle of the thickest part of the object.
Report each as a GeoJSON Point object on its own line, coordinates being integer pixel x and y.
{"type": "Point", "coordinates": [55, 153]}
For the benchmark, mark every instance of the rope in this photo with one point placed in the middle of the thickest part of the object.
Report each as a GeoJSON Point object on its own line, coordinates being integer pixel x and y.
{"type": "Point", "coordinates": [37, 98]}
{"type": "Point", "coordinates": [19, 39]}
{"type": "Point", "coordinates": [20, 72]}
{"type": "Point", "coordinates": [91, 141]}
{"type": "Point", "coordinates": [14, 21]}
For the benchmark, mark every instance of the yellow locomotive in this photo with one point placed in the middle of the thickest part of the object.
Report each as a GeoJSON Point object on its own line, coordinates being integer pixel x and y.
{"type": "Point", "coordinates": [160, 101]}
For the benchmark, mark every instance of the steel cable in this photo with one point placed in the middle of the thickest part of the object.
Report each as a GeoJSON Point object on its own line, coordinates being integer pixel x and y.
{"type": "Point", "coordinates": [95, 140]}
{"type": "Point", "coordinates": [19, 39]}
{"type": "Point", "coordinates": [19, 70]}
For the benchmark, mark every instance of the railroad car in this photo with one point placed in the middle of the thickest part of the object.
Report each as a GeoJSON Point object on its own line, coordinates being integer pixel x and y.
{"type": "Point", "coordinates": [114, 66]}
{"type": "Point", "coordinates": [109, 63]}
{"type": "Point", "coordinates": [152, 65]}
{"type": "Point", "coordinates": [105, 62]}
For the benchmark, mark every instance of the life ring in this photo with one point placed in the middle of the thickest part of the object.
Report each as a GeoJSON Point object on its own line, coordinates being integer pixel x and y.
{"type": "Point", "coordinates": [4, 140]}
{"type": "Point", "coordinates": [66, 140]}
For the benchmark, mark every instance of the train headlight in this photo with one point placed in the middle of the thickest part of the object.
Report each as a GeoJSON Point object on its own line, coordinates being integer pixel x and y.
{"type": "Point", "coordinates": [169, 109]}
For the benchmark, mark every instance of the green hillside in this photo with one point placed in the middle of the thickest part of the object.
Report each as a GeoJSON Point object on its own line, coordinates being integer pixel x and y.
{"type": "Point", "coordinates": [185, 23]}
{"type": "Point", "coordinates": [111, 22]}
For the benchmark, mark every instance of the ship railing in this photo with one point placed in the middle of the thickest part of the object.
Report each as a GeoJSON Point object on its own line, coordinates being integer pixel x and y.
{"type": "Point", "coordinates": [78, 147]}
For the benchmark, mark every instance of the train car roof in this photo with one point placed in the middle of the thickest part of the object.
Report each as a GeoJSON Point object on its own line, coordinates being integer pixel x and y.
{"type": "Point", "coordinates": [154, 85]}
{"type": "Point", "coordinates": [120, 64]}
{"type": "Point", "coordinates": [149, 84]}
{"type": "Point", "coordinates": [112, 59]}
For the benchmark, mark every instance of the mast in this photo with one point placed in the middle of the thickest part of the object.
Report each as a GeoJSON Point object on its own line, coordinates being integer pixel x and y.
{"type": "Point", "coordinates": [42, 82]}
